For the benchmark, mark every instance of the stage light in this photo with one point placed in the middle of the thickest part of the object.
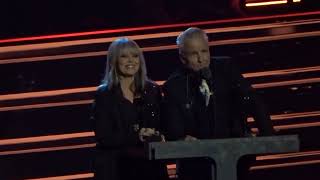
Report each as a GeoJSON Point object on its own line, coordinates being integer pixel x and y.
{"type": "Point", "coordinates": [254, 3]}
{"type": "Point", "coordinates": [266, 3]}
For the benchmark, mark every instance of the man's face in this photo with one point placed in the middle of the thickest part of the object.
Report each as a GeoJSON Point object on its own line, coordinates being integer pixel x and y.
{"type": "Point", "coordinates": [195, 54]}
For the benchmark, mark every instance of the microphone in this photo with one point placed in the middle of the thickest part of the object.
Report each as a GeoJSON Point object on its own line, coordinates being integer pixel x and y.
{"type": "Point", "coordinates": [206, 74]}
{"type": "Point", "coordinates": [206, 83]}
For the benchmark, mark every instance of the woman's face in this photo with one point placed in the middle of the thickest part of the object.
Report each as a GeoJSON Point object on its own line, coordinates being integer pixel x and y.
{"type": "Point", "coordinates": [128, 62]}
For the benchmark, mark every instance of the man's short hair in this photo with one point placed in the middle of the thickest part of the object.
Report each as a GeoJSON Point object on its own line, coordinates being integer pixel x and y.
{"type": "Point", "coordinates": [190, 33]}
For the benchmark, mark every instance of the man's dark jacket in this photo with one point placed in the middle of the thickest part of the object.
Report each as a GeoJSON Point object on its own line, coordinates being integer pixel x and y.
{"type": "Point", "coordinates": [233, 100]}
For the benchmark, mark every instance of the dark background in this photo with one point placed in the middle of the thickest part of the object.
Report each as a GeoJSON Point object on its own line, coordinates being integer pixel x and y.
{"type": "Point", "coordinates": [39, 17]}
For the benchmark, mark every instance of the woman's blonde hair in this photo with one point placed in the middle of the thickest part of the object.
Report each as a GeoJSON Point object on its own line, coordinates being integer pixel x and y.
{"type": "Point", "coordinates": [111, 78]}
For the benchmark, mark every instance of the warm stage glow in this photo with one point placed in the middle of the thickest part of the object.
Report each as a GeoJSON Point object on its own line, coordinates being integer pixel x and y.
{"type": "Point", "coordinates": [46, 46]}
{"type": "Point", "coordinates": [90, 134]}
{"type": "Point", "coordinates": [47, 149]}
{"type": "Point", "coordinates": [91, 89]}
{"type": "Point", "coordinates": [281, 165]}
{"type": "Point", "coordinates": [92, 41]}
{"type": "Point", "coordinates": [122, 30]}
{"type": "Point", "coordinates": [266, 3]}
{"type": "Point", "coordinates": [46, 105]}
{"type": "Point", "coordinates": [75, 176]}
{"type": "Point", "coordinates": [45, 138]}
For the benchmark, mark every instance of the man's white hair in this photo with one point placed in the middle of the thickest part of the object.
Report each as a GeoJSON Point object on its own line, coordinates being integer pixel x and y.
{"type": "Point", "coordinates": [190, 33]}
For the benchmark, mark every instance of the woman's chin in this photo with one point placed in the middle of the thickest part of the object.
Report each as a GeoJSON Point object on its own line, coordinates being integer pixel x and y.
{"type": "Point", "coordinates": [128, 74]}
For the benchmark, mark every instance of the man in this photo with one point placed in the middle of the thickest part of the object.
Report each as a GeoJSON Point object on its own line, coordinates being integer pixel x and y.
{"type": "Point", "coordinates": [208, 99]}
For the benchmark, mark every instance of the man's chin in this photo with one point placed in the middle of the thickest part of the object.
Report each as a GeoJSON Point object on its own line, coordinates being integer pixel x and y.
{"type": "Point", "coordinates": [199, 68]}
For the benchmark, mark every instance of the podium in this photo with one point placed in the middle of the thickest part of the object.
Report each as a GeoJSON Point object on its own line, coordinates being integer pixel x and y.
{"type": "Point", "coordinates": [224, 152]}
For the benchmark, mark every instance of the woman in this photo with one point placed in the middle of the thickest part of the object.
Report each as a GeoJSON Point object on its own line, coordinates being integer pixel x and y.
{"type": "Point", "coordinates": [126, 115]}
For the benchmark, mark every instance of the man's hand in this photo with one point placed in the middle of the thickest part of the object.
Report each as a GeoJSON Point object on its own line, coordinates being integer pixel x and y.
{"type": "Point", "coordinates": [146, 132]}
{"type": "Point", "coordinates": [190, 138]}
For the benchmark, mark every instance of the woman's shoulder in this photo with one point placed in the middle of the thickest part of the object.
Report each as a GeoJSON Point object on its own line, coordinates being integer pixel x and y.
{"type": "Point", "coordinates": [103, 90]}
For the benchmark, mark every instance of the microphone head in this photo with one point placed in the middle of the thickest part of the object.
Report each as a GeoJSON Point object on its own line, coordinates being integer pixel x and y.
{"type": "Point", "coordinates": [205, 73]}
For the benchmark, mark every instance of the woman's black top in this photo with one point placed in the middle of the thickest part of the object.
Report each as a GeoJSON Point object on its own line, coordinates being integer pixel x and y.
{"type": "Point", "coordinates": [116, 119]}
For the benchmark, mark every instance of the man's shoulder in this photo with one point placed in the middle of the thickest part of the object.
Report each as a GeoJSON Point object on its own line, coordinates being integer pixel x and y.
{"type": "Point", "coordinates": [151, 88]}
{"type": "Point", "coordinates": [221, 61]}
{"type": "Point", "coordinates": [175, 86]}
{"type": "Point", "coordinates": [176, 79]}
{"type": "Point", "coordinates": [149, 84]}
{"type": "Point", "coordinates": [223, 66]}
